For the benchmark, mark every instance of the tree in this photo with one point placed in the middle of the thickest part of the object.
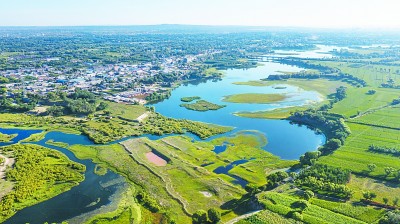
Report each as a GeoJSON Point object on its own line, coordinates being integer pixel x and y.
{"type": "Point", "coordinates": [102, 106]}
{"type": "Point", "coordinates": [200, 217]}
{"type": "Point", "coordinates": [214, 215]}
{"type": "Point", "coordinates": [331, 145]}
{"type": "Point", "coordinates": [3, 90]}
{"type": "Point", "coordinates": [371, 167]}
{"type": "Point", "coordinates": [391, 217]}
{"type": "Point", "coordinates": [341, 93]}
{"type": "Point", "coordinates": [371, 92]}
{"type": "Point", "coordinates": [369, 195]}
{"type": "Point", "coordinates": [293, 175]}
{"type": "Point", "coordinates": [252, 189]}
{"type": "Point", "coordinates": [307, 195]}
{"type": "Point", "coordinates": [51, 96]}
{"type": "Point", "coordinates": [386, 201]}
{"type": "Point", "coordinates": [296, 215]}
{"type": "Point", "coordinates": [389, 170]}
{"type": "Point", "coordinates": [277, 176]}
{"type": "Point", "coordinates": [309, 157]}
{"type": "Point", "coordinates": [395, 201]}
{"type": "Point", "coordinates": [55, 111]}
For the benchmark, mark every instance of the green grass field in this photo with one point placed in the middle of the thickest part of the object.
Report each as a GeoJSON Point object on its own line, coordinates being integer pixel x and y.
{"type": "Point", "coordinates": [125, 111]}
{"type": "Point", "coordinates": [280, 113]}
{"type": "Point", "coordinates": [256, 98]}
{"type": "Point", "coordinates": [383, 189]}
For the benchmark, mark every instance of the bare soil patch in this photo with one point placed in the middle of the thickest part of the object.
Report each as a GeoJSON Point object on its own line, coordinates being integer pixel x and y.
{"type": "Point", "coordinates": [158, 161]}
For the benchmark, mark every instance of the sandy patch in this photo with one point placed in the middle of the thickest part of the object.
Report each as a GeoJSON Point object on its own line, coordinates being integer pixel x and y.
{"type": "Point", "coordinates": [3, 166]}
{"type": "Point", "coordinates": [206, 194]}
{"type": "Point", "coordinates": [158, 161]}
{"type": "Point", "coordinates": [142, 117]}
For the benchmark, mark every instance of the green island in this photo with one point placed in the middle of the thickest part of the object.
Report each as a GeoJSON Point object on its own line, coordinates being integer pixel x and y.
{"type": "Point", "coordinates": [256, 98]}
{"type": "Point", "coordinates": [190, 99]}
{"type": "Point", "coordinates": [280, 113]}
{"type": "Point", "coordinates": [6, 138]}
{"type": "Point", "coordinates": [202, 105]}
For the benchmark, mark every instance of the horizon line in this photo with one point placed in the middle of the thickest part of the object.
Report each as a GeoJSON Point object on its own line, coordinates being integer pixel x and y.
{"type": "Point", "coordinates": [207, 25]}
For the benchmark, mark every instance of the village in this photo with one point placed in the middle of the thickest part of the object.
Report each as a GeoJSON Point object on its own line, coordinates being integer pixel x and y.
{"type": "Point", "coordinates": [120, 82]}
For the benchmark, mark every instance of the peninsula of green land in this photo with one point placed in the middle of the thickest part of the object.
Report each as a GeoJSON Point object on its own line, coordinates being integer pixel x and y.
{"type": "Point", "coordinates": [255, 98]}
{"type": "Point", "coordinates": [6, 138]}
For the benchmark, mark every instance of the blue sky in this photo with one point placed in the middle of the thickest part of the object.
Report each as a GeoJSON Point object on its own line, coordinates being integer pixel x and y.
{"type": "Point", "coordinates": [303, 13]}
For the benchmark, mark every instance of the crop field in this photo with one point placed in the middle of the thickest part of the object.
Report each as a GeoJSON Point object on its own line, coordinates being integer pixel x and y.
{"type": "Point", "coordinates": [281, 203]}
{"type": "Point", "coordinates": [361, 212]}
{"type": "Point", "coordinates": [354, 155]}
{"type": "Point", "coordinates": [374, 75]}
{"type": "Point", "coordinates": [385, 117]}
{"type": "Point", "coordinates": [358, 101]}
{"type": "Point", "coordinates": [269, 217]}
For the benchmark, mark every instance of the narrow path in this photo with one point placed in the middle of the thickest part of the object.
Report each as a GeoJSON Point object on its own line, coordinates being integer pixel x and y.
{"type": "Point", "coordinates": [370, 111]}
{"type": "Point", "coordinates": [237, 219]}
{"type": "Point", "coordinates": [143, 116]}
{"type": "Point", "coordinates": [7, 163]}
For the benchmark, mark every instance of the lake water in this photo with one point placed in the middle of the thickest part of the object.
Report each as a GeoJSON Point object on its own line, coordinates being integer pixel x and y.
{"type": "Point", "coordinates": [22, 134]}
{"type": "Point", "coordinates": [322, 51]}
{"type": "Point", "coordinates": [284, 139]}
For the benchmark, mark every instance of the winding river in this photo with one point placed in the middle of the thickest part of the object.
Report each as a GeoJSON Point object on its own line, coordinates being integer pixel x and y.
{"type": "Point", "coordinates": [284, 139]}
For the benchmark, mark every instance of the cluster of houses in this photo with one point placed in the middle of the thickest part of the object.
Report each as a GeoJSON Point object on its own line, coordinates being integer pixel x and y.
{"type": "Point", "coordinates": [118, 83]}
